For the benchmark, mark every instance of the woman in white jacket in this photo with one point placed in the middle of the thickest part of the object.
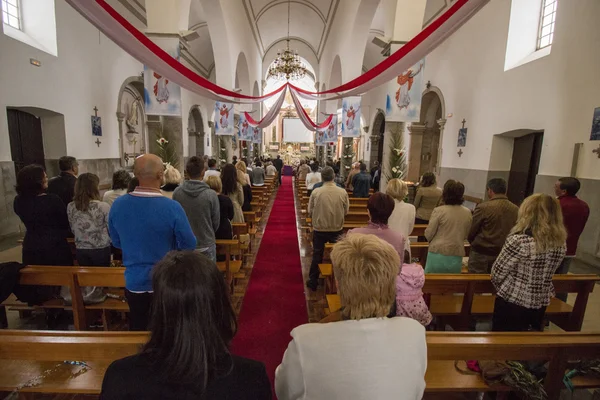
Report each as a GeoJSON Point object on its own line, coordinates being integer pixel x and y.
{"type": "Point", "coordinates": [365, 355]}
{"type": "Point", "coordinates": [402, 219]}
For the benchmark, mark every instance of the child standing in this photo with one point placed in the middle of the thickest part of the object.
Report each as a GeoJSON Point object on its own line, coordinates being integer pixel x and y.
{"type": "Point", "coordinates": [409, 296]}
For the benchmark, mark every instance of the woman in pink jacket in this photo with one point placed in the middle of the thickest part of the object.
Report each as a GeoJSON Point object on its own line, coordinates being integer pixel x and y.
{"type": "Point", "coordinates": [409, 296]}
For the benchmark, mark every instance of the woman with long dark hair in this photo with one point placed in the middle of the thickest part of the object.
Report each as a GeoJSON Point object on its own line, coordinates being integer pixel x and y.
{"type": "Point", "coordinates": [45, 218]}
{"type": "Point", "coordinates": [88, 217]}
{"type": "Point", "coordinates": [233, 189]}
{"type": "Point", "coordinates": [187, 356]}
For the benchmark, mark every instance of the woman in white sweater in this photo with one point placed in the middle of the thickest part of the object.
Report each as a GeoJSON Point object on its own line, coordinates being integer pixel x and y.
{"type": "Point", "coordinates": [365, 355]}
{"type": "Point", "coordinates": [402, 219]}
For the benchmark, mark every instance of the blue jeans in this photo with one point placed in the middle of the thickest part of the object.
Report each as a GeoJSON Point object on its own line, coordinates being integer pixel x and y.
{"type": "Point", "coordinates": [211, 252]}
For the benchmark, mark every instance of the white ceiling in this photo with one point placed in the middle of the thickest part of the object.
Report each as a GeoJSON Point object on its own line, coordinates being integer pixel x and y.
{"type": "Point", "coordinates": [309, 23]}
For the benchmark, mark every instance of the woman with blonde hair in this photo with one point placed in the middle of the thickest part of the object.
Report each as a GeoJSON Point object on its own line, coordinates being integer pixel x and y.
{"type": "Point", "coordinates": [172, 181]}
{"type": "Point", "coordinates": [402, 219]}
{"type": "Point", "coordinates": [88, 217]}
{"type": "Point", "coordinates": [522, 273]}
{"type": "Point", "coordinates": [242, 173]}
{"type": "Point", "coordinates": [366, 349]}
{"type": "Point", "coordinates": [225, 208]}
{"type": "Point", "coordinates": [244, 180]}
{"type": "Point", "coordinates": [233, 189]}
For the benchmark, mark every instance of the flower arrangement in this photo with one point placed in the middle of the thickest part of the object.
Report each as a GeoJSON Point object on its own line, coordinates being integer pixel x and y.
{"type": "Point", "coordinates": [166, 150]}
{"type": "Point", "coordinates": [347, 154]}
{"type": "Point", "coordinates": [222, 150]}
{"type": "Point", "coordinates": [397, 160]}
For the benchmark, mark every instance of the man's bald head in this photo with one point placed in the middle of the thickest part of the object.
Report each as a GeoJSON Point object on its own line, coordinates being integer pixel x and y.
{"type": "Point", "coordinates": [149, 169]}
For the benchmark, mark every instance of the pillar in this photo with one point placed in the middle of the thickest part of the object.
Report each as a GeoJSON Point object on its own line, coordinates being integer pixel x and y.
{"type": "Point", "coordinates": [416, 132]}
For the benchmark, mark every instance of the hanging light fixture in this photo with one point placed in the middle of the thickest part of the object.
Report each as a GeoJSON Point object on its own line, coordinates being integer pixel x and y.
{"type": "Point", "coordinates": [287, 66]}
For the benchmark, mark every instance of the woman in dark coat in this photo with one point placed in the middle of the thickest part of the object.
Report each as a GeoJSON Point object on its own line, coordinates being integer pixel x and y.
{"type": "Point", "coordinates": [45, 218]}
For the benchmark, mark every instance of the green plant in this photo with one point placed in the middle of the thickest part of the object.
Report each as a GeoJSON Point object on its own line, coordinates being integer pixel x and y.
{"type": "Point", "coordinates": [347, 155]}
{"type": "Point", "coordinates": [397, 159]}
{"type": "Point", "coordinates": [222, 150]}
{"type": "Point", "coordinates": [166, 148]}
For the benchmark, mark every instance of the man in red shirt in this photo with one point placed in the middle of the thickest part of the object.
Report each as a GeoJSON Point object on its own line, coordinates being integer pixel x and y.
{"type": "Point", "coordinates": [575, 214]}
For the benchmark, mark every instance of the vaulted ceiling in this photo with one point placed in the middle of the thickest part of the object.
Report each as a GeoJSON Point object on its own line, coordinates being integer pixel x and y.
{"type": "Point", "coordinates": [309, 23]}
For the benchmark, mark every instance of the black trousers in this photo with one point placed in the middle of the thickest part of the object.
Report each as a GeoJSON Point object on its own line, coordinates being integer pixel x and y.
{"type": "Point", "coordinates": [279, 173]}
{"type": "Point", "coordinates": [93, 257]}
{"type": "Point", "coordinates": [420, 221]}
{"type": "Point", "coordinates": [140, 305]}
{"type": "Point", "coordinates": [509, 317]}
{"type": "Point", "coordinates": [319, 240]}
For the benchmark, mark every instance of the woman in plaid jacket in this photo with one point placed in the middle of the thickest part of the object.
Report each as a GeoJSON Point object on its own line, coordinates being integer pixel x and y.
{"type": "Point", "coordinates": [522, 273]}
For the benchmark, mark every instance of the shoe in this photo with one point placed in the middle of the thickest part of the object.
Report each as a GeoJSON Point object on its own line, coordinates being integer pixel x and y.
{"type": "Point", "coordinates": [312, 285]}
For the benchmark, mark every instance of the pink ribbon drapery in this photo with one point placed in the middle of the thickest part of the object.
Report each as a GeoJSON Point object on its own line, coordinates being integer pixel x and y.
{"type": "Point", "coordinates": [139, 46]}
{"type": "Point", "coordinates": [271, 114]}
{"type": "Point", "coordinates": [303, 115]}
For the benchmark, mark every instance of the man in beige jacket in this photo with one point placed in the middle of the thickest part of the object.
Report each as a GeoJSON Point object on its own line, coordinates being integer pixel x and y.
{"type": "Point", "coordinates": [328, 205]}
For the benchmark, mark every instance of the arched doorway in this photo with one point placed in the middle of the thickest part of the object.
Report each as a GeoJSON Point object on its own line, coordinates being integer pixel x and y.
{"type": "Point", "coordinates": [195, 132]}
{"type": "Point", "coordinates": [131, 115]}
{"type": "Point", "coordinates": [377, 138]}
{"type": "Point", "coordinates": [425, 135]}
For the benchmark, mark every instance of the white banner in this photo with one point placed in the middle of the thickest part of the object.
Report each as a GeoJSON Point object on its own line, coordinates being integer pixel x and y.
{"type": "Point", "coordinates": [224, 119]}
{"type": "Point", "coordinates": [351, 117]}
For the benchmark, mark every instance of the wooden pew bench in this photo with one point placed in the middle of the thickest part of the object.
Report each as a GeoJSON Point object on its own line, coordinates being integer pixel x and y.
{"type": "Point", "coordinates": [23, 354]}
{"type": "Point", "coordinates": [457, 298]}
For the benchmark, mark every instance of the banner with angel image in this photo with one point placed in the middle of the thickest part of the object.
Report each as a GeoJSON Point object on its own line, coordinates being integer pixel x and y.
{"type": "Point", "coordinates": [161, 96]}
{"type": "Point", "coordinates": [256, 135]}
{"type": "Point", "coordinates": [403, 102]}
{"type": "Point", "coordinates": [351, 117]}
{"type": "Point", "coordinates": [327, 134]}
{"type": "Point", "coordinates": [245, 131]}
{"type": "Point", "coordinates": [224, 119]}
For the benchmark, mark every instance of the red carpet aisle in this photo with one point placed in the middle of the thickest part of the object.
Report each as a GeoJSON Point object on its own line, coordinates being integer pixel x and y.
{"type": "Point", "coordinates": [274, 303]}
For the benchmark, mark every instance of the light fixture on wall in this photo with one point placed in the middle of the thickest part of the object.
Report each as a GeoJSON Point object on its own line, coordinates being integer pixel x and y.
{"type": "Point", "coordinates": [287, 66]}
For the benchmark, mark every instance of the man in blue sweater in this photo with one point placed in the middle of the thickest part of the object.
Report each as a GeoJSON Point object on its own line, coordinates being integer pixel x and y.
{"type": "Point", "coordinates": [146, 226]}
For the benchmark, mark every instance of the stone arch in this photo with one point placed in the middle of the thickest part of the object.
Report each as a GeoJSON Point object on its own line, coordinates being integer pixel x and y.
{"type": "Point", "coordinates": [242, 74]}
{"type": "Point", "coordinates": [377, 136]}
{"type": "Point", "coordinates": [197, 137]}
{"type": "Point", "coordinates": [426, 135]}
{"type": "Point", "coordinates": [133, 137]}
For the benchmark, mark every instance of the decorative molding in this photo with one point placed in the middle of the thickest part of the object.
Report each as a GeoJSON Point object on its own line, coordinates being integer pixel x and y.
{"type": "Point", "coordinates": [417, 129]}
{"type": "Point", "coordinates": [137, 14]}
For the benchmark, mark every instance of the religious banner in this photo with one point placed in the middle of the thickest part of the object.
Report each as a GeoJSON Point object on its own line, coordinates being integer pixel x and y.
{"type": "Point", "coordinates": [244, 129]}
{"type": "Point", "coordinates": [351, 117]}
{"type": "Point", "coordinates": [403, 102]}
{"type": "Point", "coordinates": [328, 134]}
{"type": "Point", "coordinates": [224, 118]}
{"type": "Point", "coordinates": [256, 135]}
{"type": "Point", "coordinates": [161, 96]}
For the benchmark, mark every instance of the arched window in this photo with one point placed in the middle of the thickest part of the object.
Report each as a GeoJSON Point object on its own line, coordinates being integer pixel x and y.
{"type": "Point", "coordinates": [11, 13]}
{"type": "Point", "coordinates": [547, 20]}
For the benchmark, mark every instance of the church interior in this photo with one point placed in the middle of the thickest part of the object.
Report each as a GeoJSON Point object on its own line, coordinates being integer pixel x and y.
{"type": "Point", "coordinates": [295, 123]}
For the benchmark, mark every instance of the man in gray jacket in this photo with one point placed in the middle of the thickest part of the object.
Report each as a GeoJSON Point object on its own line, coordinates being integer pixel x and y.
{"type": "Point", "coordinates": [201, 205]}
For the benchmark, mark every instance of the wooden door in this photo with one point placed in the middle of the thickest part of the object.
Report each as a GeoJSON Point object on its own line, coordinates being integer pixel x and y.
{"type": "Point", "coordinates": [26, 143]}
{"type": "Point", "coordinates": [524, 167]}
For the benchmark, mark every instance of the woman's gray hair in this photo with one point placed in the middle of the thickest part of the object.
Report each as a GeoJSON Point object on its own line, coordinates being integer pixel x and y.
{"type": "Point", "coordinates": [327, 174]}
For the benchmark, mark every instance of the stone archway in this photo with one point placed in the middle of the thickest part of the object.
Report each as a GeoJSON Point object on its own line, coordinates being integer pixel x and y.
{"type": "Point", "coordinates": [196, 133]}
{"type": "Point", "coordinates": [377, 135]}
{"type": "Point", "coordinates": [133, 135]}
{"type": "Point", "coordinates": [426, 135]}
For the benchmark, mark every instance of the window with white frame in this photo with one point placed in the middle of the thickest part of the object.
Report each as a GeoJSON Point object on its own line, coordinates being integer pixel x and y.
{"type": "Point", "coordinates": [547, 20]}
{"type": "Point", "coordinates": [11, 13]}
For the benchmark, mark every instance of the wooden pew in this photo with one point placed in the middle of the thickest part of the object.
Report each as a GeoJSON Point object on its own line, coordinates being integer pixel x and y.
{"type": "Point", "coordinates": [43, 275]}
{"type": "Point", "coordinates": [475, 300]}
{"type": "Point", "coordinates": [23, 354]}
{"type": "Point", "coordinates": [231, 268]}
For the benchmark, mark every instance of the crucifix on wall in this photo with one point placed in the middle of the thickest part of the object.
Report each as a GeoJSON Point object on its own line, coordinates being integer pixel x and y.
{"type": "Point", "coordinates": [597, 151]}
{"type": "Point", "coordinates": [462, 135]}
{"type": "Point", "coordinates": [96, 123]}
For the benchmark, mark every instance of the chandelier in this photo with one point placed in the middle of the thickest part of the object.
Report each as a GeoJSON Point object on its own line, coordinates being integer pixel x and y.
{"type": "Point", "coordinates": [287, 66]}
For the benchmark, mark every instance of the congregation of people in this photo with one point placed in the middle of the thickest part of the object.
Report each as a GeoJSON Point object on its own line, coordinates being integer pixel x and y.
{"type": "Point", "coordinates": [167, 226]}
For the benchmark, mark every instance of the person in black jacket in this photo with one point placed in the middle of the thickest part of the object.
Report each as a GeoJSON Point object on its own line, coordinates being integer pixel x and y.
{"type": "Point", "coordinates": [187, 356]}
{"type": "Point", "coordinates": [63, 185]}
{"type": "Point", "coordinates": [278, 163]}
{"type": "Point", "coordinates": [45, 218]}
